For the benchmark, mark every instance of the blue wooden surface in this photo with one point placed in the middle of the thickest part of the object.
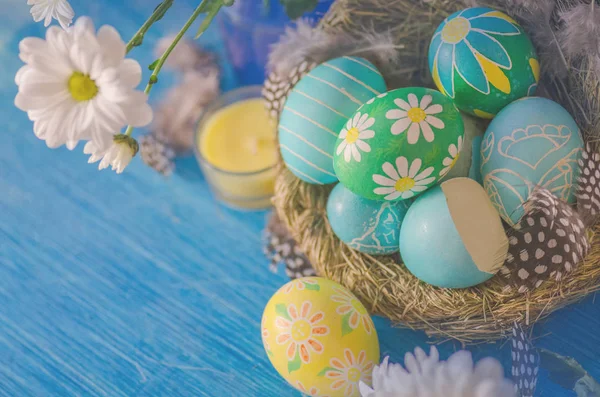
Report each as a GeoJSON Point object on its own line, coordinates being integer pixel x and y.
{"type": "Point", "coordinates": [135, 285]}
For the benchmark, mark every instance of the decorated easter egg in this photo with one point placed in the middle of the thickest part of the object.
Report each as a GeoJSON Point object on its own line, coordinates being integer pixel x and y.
{"type": "Point", "coordinates": [531, 142]}
{"type": "Point", "coordinates": [316, 110]}
{"type": "Point", "coordinates": [467, 151]}
{"type": "Point", "coordinates": [398, 144]}
{"type": "Point", "coordinates": [452, 236]}
{"type": "Point", "coordinates": [320, 338]}
{"type": "Point", "coordinates": [483, 60]}
{"type": "Point", "coordinates": [366, 225]}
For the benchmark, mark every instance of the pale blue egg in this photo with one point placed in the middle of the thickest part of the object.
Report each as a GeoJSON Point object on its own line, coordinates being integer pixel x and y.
{"type": "Point", "coordinates": [369, 226]}
{"type": "Point", "coordinates": [316, 111]}
{"type": "Point", "coordinates": [531, 142]}
{"type": "Point", "coordinates": [433, 249]}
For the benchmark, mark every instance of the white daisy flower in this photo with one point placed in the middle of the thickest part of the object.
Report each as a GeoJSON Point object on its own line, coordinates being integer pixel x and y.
{"type": "Point", "coordinates": [415, 117]}
{"type": "Point", "coordinates": [118, 155]}
{"type": "Point", "coordinates": [60, 10]}
{"type": "Point", "coordinates": [454, 152]}
{"type": "Point", "coordinates": [77, 85]}
{"type": "Point", "coordinates": [403, 182]}
{"type": "Point", "coordinates": [427, 376]}
{"type": "Point", "coordinates": [354, 135]}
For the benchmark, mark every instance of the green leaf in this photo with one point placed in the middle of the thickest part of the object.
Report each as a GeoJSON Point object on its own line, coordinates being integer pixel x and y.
{"type": "Point", "coordinates": [281, 309]}
{"type": "Point", "coordinates": [312, 287]}
{"type": "Point", "coordinates": [295, 8]}
{"type": "Point", "coordinates": [324, 371]}
{"type": "Point", "coordinates": [152, 66]}
{"type": "Point", "coordinates": [346, 329]}
{"type": "Point", "coordinates": [295, 364]}
{"type": "Point", "coordinates": [211, 9]}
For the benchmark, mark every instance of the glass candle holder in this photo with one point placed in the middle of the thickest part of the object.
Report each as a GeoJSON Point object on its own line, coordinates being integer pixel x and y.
{"type": "Point", "coordinates": [229, 156]}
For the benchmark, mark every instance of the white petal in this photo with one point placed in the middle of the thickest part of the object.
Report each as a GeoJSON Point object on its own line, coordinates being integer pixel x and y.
{"type": "Point", "coordinates": [340, 147]}
{"type": "Point", "coordinates": [113, 48]}
{"type": "Point", "coordinates": [434, 109]}
{"type": "Point", "coordinates": [356, 153]}
{"type": "Point", "coordinates": [407, 194]}
{"type": "Point", "coordinates": [447, 161]}
{"type": "Point", "coordinates": [423, 174]}
{"type": "Point", "coordinates": [425, 181]}
{"type": "Point", "coordinates": [402, 166]}
{"type": "Point", "coordinates": [384, 190]}
{"type": "Point", "coordinates": [355, 119]}
{"type": "Point", "coordinates": [427, 131]}
{"type": "Point", "coordinates": [452, 150]}
{"type": "Point", "coordinates": [419, 188]}
{"type": "Point", "coordinates": [434, 121]}
{"type": "Point", "coordinates": [395, 114]}
{"type": "Point", "coordinates": [361, 121]}
{"type": "Point", "coordinates": [349, 124]}
{"type": "Point", "coordinates": [130, 73]}
{"type": "Point", "coordinates": [393, 196]}
{"type": "Point", "coordinates": [400, 126]}
{"type": "Point", "coordinates": [402, 104]}
{"type": "Point", "coordinates": [413, 133]}
{"type": "Point", "coordinates": [425, 101]}
{"type": "Point", "coordinates": [415, 166]}
{"type": "Point", "coordinates": [413, 101]}
{"type": "Point", "coordinates": [390, 171]}
{"type": "Point", "coordinates": [139, 115]}
{"type": "Point", "coordinates": [364, 146]}
{"type": "Point", "coordinates": [367, 124]}
{"type": "Point", "coordinates": [366, 134]}
{"type": "Point", "coordinates": [343, 134]}
{"type": "Point", "coordinates": [383, 181]}
{"type": "Point", "coordinates": [348, 153]}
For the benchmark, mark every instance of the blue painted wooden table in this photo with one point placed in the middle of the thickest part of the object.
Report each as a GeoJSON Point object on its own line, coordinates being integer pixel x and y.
{"type": "Point", "coordinates": [136, 285]}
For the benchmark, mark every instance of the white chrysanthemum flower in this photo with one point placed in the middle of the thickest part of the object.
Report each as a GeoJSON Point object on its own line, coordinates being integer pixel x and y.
{"type": "Point", "coordinates": [77, 85]}
{"type": "Point", "coordinates": [60, 10]}
{"type": "Point", "coordinates": [118, 155]}
{"type": "Point", "coordinates": [427, 376]}
{"type": "Point", "coordinates": [403, 181]}
{"type": "Point", "coordinates": [416, 117]}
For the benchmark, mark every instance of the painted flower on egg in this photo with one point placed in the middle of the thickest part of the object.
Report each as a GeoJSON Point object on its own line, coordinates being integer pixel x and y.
{"type": "Point", "coordinates": [469, 36]}
{"type": "Point", "coordinates": [353, 311]}
{"type": "Point", "coordinates": [416, 117]}
{"type": "Point", "coordinates": [454, 153]}
{"type": "Point", "coordinates": [402, 181]}
{"type": "Point", "coordinates": [300, 331]}
{"type": "Point", "coordinates": [354, 135]}
{"type": "Point", "coordinates": [479, 48]}
{"type": "Point", "coordinates": [346, 373]}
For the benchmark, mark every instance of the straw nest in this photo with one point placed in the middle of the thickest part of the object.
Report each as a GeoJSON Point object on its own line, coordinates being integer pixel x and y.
{"type": "Point", "coordinates": [473, 315]}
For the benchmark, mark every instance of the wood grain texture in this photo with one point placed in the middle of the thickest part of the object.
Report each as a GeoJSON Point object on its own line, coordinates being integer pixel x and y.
{"type": "Point", "coordinates": [135, 285]}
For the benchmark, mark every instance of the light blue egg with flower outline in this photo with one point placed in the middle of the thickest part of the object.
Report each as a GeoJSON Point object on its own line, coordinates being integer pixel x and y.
{"type": "Point", "coordinates": [368, 226]}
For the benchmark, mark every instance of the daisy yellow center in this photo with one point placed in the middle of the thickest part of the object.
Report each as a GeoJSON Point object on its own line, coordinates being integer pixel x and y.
{"type": "Point", "coordinates": [456, 30]}
{"type": "Point", "coordinates": [353, 375]}
{"type": "Point", "coordinates": [358, 307]}
{"type": "Point", "coordinates": [352, 135]}
{"type": "Point", "coordinates": [82, 87]}
{"type": "Point", "coordinates": [404, 184]}
{"type": "Point", "coordinates": [416, 115]}
{"type": "Point", "coordinates": [301, 330]}
{"type": "Point", "coordinates": [454, 161]}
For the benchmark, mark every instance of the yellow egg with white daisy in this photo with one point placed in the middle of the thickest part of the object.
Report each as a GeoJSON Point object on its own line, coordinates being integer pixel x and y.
{"type": "Point", "coordinates": [320, 337]}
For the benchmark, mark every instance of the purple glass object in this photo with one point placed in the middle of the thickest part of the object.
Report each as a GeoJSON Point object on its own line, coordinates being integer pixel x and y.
{"type": "Point", "coordinates": [248, 29]}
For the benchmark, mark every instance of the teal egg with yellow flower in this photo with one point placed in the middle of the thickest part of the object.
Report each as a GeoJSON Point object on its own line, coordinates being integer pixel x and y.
{"type": "Point", "coordinates": [399, 144]}
{"type": "Point", "coordinates": [483, 60]}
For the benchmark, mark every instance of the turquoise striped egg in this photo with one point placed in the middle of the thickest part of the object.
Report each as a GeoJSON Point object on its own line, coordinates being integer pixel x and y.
{"type": "Point", "coordinates": [317, 109]}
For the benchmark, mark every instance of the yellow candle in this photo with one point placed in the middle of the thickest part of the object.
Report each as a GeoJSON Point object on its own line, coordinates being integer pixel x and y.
{"type": "Point", "coordinates": [237, 143]}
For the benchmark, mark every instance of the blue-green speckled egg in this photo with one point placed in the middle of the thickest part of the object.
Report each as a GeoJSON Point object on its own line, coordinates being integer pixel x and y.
{"type": "Point", "coordinates": [531, 142]}
{"type": "Point", "coordinates": [317, 109]}
{"type": "Point", "coordinates": [369, 226]}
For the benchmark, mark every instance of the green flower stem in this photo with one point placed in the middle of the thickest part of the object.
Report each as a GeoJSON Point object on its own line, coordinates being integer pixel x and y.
{"type": "Point", "coordinates": [158, 13]}
{"type": "Point", "coordinates": [212, 11]}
